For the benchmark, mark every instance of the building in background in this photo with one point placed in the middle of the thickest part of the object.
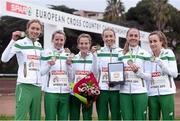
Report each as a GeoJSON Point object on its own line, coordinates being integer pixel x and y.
{"type": "Point", "coordinates": [89, 14]}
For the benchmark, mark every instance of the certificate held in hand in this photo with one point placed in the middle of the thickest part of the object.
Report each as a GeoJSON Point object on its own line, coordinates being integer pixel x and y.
{"type": "Point", "coordinates": [116, 73]}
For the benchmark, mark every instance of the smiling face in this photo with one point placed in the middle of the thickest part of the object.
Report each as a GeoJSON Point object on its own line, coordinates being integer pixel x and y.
{"type": "Point", "coordinates": [133, 37]}
{"type": "Point", "coordinates": [58, 41]}
{"type": "Point", "coordinates": [109, 37]}
{"type": "Point", "coordinates": [155, 43]}
{"type": "Point", "coordinates": [34, 30]}
{"type": "Point", "coordinates": [84, 44]}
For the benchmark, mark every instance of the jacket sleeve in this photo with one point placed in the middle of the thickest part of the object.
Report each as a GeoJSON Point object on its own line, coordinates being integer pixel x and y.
{"type": "Point", "coordinates": [95, 65]}
{"type": "Point", "coordinates": [145, 76]}
{"type": "Point", "coordinates": [71, 71]}
{"type": "Point", "coordinates": [71, 74]}
{"type": "Point", "coordinates": [45, 67]}
{"type": "Point", "coordinates": [98, 68]}
{"type": "Point", "coordinates": [169, 68]}
{"type": "Point", "coordinates": [9, 52]}
{"type": "Point", "coordinates": [145, 71]}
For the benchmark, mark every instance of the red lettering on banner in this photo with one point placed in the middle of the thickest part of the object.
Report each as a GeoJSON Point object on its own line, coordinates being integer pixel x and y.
{"type": "Point", "coordinates": [17, 8]}
{"type": "Point", "coordinates": [82, 72]}
{"type": "Point", "coordinates": [104, 69]}
{"type": "Point", "coordinates": [57, 72]}
{"type": "Point", "coordinates": [34, 57]}
{"type": "Point", "coordinates": [156, 74]}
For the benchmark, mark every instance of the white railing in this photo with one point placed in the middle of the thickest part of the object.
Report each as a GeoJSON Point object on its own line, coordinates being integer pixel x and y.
{"type": "Point", "coordinates": [11, 75]}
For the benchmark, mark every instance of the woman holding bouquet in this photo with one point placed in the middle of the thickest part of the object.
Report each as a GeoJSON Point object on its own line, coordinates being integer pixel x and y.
{"type": "Point", "coordinates": [82, 64]}
{"type": "Point", "coordinates": [28, 88]}
{"type": "Point", "coordinates": [56, 86]}
{"type": "Point", "coordinates": [161, 86]}
{"type": "Point", "coordinates": [109, 96]}
{"type": "Point", "coordinates": [133, 94]}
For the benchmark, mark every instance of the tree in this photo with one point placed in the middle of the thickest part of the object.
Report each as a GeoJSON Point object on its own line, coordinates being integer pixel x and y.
{"type": "Point", "coordinates": [175, 21]}
{"type": "Point", "coordinates": [142, 15]}
{"type": "Point", "coordinates": [152, 14]}
{"type": "Point", "coordinates": [156, 15]}
{"type": "Point", "coordinates": [63, 8]}
{"type": "Point", "coordinates": [114, 11]}
{"type": "Point", "coordinates": [161, 12]}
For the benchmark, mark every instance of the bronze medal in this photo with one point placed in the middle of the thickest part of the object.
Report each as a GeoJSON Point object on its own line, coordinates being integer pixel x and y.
{"type": "Point", "coordinates": [153, 59]}
{"type": "Point", "coordinates": [130, 62]}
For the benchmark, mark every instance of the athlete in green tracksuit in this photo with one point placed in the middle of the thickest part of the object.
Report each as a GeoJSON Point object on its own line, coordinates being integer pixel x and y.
{"type": "Point", "coordinates": [133, 94]}
{"type": "Point", "coordinates": [109, 96]}
{"type": "Point", "coordinates": [28, 52]}
{"type": "Point", "coordinates": [82, 64]}
{"type": "Point", "coordinates": [56, 86]}
{"type": "Point", "coordinates": [161, 87]}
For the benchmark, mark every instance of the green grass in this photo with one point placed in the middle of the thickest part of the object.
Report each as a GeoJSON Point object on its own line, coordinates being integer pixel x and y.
{"type": "Point", "coordinates": [177, 118]}
{"type": "Point", "coordinates": [4, 117]}
{"type": "Point", "coordinates": [8, 78]}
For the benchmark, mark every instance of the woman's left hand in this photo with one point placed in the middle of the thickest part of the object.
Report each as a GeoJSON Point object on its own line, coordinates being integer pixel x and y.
{"type": "Point", "coordinates": [51, 63]}
{"type": "Point", "coordinates": [134, 67]}
{"type": "Point", "coordinates": [67, 50]}
{"type": "Point", "coordinates": [93, 49]}
{"type": "Point", "coordinates": [69, 59]}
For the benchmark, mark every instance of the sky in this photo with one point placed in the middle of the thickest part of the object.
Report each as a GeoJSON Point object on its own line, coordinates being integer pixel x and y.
{"type": "Point", "coordinates": [91, 5]}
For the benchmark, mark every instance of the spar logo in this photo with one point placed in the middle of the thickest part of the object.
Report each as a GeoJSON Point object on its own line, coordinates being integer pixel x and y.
{"type": "Point", "coordinates": [17, 8]}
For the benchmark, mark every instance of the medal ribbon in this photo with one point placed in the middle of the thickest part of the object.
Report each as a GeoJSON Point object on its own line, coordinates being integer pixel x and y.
{"type": "Point", "coordinates": [56, 55]}
{"type": "Point", "coordinates": [131, 55]}
{"type": "Point", "coordinates": [154, 57]}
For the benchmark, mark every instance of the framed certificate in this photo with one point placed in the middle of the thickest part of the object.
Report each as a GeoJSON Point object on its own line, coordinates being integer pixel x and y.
{"type": "Point", "coordinates": [116, 73]}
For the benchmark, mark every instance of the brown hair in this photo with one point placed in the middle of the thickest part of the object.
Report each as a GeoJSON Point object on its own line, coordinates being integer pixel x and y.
{"type": "Point", "coordinates": [33, 21]}
{"type": "Point", "coordinates": [161, 36]}
{"type": "Point", "coordinates": [126, 46]}
{"type": "Point", "coordinates": [109, 29]}
{"type": "Point", "coordinates": [84, 36]}
{"type": "Point", "coordinates": [58, 32]}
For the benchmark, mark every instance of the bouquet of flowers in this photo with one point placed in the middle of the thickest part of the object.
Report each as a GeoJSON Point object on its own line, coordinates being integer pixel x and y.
{"type": "Point", "coordinates": [87, 89]}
